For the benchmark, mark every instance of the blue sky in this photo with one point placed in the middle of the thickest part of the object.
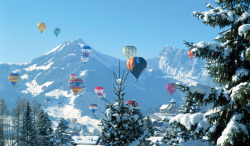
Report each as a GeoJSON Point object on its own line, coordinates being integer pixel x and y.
{"type": "Point", "coordinates": [105, 25]}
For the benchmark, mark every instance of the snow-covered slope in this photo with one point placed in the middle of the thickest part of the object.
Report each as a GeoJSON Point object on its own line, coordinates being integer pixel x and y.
{"type": "Point", "coordinates": [47, 77]}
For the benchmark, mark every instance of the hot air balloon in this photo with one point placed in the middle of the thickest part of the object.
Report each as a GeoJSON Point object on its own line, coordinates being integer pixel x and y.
{"type": "Point", "coordinates": [59, 104]}
{"type": "Point", "coordinates": [191, 55]}
{"type": "Point", "coordinates": [41, 27]}
{"type": "Point", "coordinates": [76, 85]}
{"type": "Point", "coordinates": [132, 103]}
{"type": "Point", "coordinates": [47, 101]}
{"type": "Point", "coordinates": [136, 65]}
{"type": "Point", "coordinates": [129, 51]}
{"type": "Point", "coordinates": [86, 50]}
{"type": "Point", "coordinates": [13, 78]}
{"type": "Point", "coordinates": [93, 107]}
{"type": "Point", "coordinates": [99, 91]}
{"type": "Point", "coordinates": [171, 88]}
{"type": "Point", "coordinates": [73, 76]}
{"type": "Point", "coordinates": [73, 121]}
{"type": "Point", "coordinates": [56, 31]}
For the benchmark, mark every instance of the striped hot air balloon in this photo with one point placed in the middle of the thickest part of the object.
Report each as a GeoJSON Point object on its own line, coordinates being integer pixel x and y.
{"type": "Point", "coordinates": [190, 54]}
{"type": "Point", "coordinates": [86, 50]}
{"type": "Point", "coordinates": [136, 65]}
{"type": "Point", "coordinates": [99, 91]}
{"type": "Point", "coordinates": [75, 84]}
{"type": "Point", "coordinates": [93, 107]}
{"type": "Point", "coordinates": [73, 121]}
{"type": "Point", "coordinates": [14, 78]}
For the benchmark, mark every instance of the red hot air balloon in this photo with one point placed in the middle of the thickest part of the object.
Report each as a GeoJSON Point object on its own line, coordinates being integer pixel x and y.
{"type": "Point", "coordinates": [72, 76]}
{"type": "Point", "coordinates": [99, 91]}
{"type": "Point", "coordinates": [190, 54]}
{"type": "Point", "coordinates": [132, 103]}
{"type": "Point", "coordinates": [171, 88]}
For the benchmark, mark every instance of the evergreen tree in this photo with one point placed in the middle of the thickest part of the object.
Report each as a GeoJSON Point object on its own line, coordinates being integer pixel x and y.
{"type": "Point", "coordinates": [3, 112]}
{"type": "Point", "coordinates": [17, 117]}
{"type": "Point", "coordinates": [28, 129]}
{"type": "Point", "coordinates": [149, 126]}
{"type": "Point", "coordinates": [228, 63]}
{"type": "Point", "coordinates": [122, 123]}
{"type": "Point", "coordinates": [44, 129]}
{"type": "Point", "coordinates": [62, 136]}
{"type": "Point", "coordinates": [189, 106]}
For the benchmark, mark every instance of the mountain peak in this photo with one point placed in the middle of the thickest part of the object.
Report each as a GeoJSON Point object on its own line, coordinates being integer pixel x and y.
{"type": "Point", "coordinates": [168, 49]}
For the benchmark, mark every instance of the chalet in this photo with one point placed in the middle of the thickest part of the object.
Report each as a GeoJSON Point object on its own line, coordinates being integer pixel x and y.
{"type": "Point", "coordinates": [169, 108]}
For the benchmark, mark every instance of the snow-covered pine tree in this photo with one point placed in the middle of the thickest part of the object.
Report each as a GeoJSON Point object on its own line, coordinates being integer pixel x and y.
{"type": "Point", "coordinates": [17, 116]}
{"type": "Point", "coordinates": [149, 126]}
{"type": "Point", "coordinates": [189, 106]}
{"type": "Point", "coordinates": [3, 112]}
{"type": "Point", "coordinates": [44, 129]}
{"type": "Point", "coordinates": [28, 130]}
{"type": "Point", "coordinates": [227, 123]}
{"type": "Point", "coordinates": [62, 136]}
{"type": "Point", "coordinates": [122, 123]}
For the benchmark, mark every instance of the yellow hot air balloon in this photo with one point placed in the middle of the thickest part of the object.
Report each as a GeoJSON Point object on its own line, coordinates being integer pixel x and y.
{"type": "Point", "coordinates": [41, 27]}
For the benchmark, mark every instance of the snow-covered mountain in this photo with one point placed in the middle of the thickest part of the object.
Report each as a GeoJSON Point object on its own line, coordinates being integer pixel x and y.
{"type": "Point", "coordinates": [47, 77]}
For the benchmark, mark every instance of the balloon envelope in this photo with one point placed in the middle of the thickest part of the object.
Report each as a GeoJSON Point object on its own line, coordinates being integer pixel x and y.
{"type": "Point", "coordinates": [190, 54]}
{"type": "Point", "coordinates": [129, 51]}
{"type": "Point", "coordinates": [86, 50]}
{"type": "Point", "coordinates": [171, 88]}
{"type": "Point", "coordinates": [73, 121]}
{"type": "Point", "coordinates": [136, 65]}
{"type": "Point", "coordinates": [75, 84]}
{"type": "Point", "coordinates": [72, 76]}
{"type": "Point", "coordinates": [132, 102]}
{"type": "Point", "coordinates": [56, 31]}
{"type": "Point", "coordinates": [84, 59]}
{"type": "Point", "coordinates": [41, 27]}
{"type": "Point", "coordinates": [99, 90]}
{"type": "Point", "coordinates": [14, 78]}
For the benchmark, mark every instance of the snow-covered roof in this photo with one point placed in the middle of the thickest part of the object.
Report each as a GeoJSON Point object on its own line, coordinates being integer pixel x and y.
{"type": "Point", "coordinates": [172, 100]}
{"type": "Point", "coordinates": [91, 140]}
{"type": "Point", "coordinates": [164, 106]}
{"type": "Point", "coordinates": [154, 139]}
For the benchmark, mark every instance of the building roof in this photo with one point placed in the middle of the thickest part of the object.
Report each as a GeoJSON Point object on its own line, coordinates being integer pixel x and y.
{"type": "Point", "coordinates": [91, 140]}
{"type": "Point", "coordinates": [164, 106]}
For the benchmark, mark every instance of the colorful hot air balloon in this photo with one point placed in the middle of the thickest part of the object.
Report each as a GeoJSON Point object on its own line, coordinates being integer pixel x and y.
{"type": "Point", "coordinates": [132, 103]}
{"type": "Point", "coordinates": [93, 107]}
{"type": "Point", "coordinates": [73, 121]}
{"type": "Point", "coordinates": [99, 91]}
{"type": "Point", "coordinates": [56, 31]}
{"type": "Point", "coordinates": [136, 65]}
{"type": "Point", "coordinates": [47, 101]}
{"type": "Point", "coordinates": [41, 27]}
{"type": "Point", "coordinates": [13, 78]}
{"type": "Point", "coordinates": [59, 104]}
{"type": "Point", "coordinates": [171, 88]}
{"type": "Point", "coordinates": [129, 51]}
{"type": "Point", "coordinates": [86, 50]}
{"type": "Point", "coordinates": [73, 76]}
{"type": "Point", "coordinates": [75, 84]}
{"type": "Point", "coordinates": [190, 54]}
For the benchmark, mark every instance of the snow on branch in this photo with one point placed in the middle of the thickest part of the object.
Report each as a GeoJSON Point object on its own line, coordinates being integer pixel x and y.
{"type": "Point", "coordinates": [240, 91]}
{"type": "Point", "coordinates": [216, 14]}
{"type": "Point", "coordinates": [233, 127]}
